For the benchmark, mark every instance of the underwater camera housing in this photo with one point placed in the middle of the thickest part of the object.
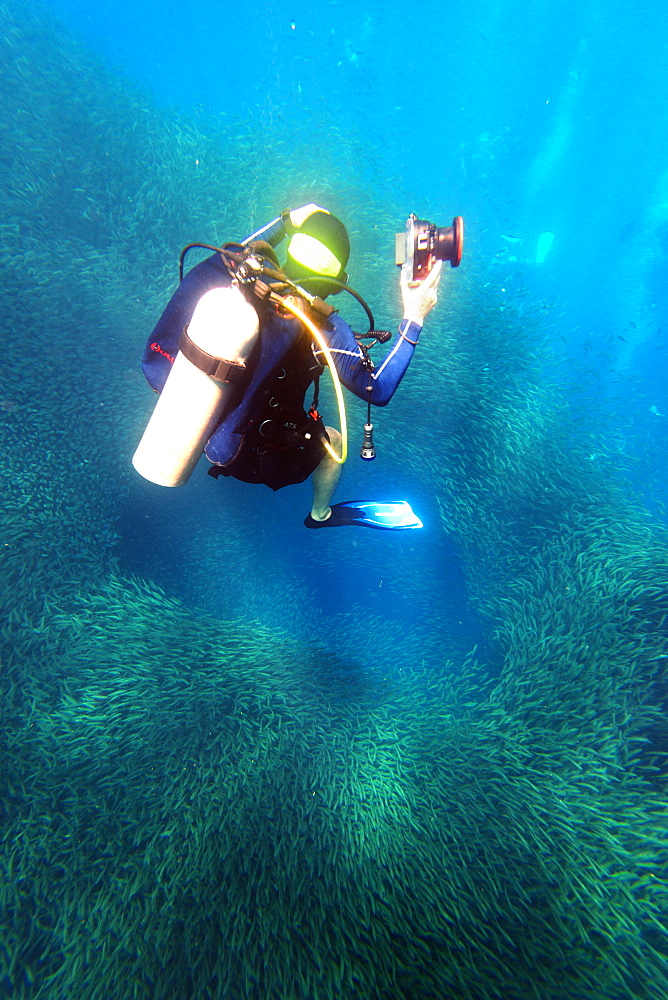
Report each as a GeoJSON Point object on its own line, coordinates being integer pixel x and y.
{"type": "Point", "coordinates": [423, 243]}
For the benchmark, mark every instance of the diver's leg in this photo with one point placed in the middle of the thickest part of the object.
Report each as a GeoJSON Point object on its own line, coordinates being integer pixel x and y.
{"type": "Point", "coordinates": [325, 479]}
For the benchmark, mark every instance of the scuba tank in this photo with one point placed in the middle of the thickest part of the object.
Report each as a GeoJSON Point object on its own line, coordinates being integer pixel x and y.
{"type": "Point", "coordinates": [210, 363]}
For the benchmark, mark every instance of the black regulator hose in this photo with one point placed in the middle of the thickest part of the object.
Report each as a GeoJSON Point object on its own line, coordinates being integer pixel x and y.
{"type": "Point", "coordinates": [346, 288]}
{"type": "Point", "coordinates": [191, 246]}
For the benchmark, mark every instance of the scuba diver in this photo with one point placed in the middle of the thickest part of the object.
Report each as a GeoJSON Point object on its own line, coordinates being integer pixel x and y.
{"type": "Point", "coordinates": [237, 348]}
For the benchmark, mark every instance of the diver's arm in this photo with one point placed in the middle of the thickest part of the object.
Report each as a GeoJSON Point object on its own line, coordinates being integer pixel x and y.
{"type": "Point", "coordinates": [418, 301]}
{"type": "Point", "coordinates": [379, 385]}
{"type": "Point", "coordinates": [384, 380]}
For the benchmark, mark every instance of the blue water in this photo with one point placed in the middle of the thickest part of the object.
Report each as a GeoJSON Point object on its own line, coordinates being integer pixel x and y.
{"type": "Point", "coordinates": [526, 120]}
{"type": "Point", "coordinates": [242, 754]}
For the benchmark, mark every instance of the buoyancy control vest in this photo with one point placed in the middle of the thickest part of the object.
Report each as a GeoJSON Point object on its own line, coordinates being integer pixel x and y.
{"type": "Point", "coordinates": [269, 412]}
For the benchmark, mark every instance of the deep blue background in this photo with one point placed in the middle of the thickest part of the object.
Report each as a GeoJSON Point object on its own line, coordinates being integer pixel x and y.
{"type": "Point", "coordinates": [524, 118]}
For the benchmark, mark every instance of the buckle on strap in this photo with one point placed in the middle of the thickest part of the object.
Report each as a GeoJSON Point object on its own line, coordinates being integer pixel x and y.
{"type": "Point", "coordinates": [287, 222]}
{"type": "Point", "coordinates": [217, 368]}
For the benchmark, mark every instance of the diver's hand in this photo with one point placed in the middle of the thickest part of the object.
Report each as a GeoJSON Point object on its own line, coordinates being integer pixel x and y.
{"type": "Point", "coordinates": [298, 216]}
{"type": "Point", "coordinates": [420, 299]}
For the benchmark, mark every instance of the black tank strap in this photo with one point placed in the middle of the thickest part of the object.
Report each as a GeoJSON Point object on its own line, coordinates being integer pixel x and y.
{"type": "Point", "coordinates": [217, 368]}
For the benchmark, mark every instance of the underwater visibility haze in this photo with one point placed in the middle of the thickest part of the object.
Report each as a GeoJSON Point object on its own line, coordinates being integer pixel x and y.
{"type": "Point", "coordinates": [243, 760]}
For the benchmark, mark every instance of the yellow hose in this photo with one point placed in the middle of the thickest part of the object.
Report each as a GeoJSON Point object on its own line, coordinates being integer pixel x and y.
{"type": "Point", "coordinates": [335, 379]}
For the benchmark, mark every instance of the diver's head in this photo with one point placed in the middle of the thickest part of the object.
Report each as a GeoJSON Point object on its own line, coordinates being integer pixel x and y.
{"type": "Point", "coordinates": [318, 249]}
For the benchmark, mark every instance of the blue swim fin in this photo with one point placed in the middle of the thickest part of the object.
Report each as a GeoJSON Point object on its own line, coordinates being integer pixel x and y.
{"type": "Point", "coordinates": [390, 516]}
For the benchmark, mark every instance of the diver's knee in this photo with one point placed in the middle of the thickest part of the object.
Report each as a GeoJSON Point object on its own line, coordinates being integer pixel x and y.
{"type": "Point", "coordinates": [334, 437]}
